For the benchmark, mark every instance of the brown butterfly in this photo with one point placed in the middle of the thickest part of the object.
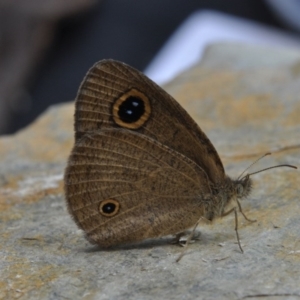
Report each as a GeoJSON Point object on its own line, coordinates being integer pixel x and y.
{"type": "Point", "coordinates": [141, 167]}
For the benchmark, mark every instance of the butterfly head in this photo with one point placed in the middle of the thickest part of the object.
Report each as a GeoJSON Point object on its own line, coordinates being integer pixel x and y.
{"type": "Point", "coordinates": [243, 187]}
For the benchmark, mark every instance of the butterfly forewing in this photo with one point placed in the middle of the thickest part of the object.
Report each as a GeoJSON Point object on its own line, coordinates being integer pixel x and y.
{"type": "Point", "coordinates": [99, 106]}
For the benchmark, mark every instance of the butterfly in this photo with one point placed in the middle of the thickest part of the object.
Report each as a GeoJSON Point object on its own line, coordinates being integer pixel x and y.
{"type": "Point", "coordinates": [141, 167]}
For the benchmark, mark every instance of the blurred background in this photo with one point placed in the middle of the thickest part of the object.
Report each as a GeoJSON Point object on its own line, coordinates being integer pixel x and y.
{"type": "Point", "coordinates": [46, 47]}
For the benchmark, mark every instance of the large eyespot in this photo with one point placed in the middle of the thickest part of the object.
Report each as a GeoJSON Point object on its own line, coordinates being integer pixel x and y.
{"type": "Point", "coordinates": [131, 110]}
{"type": "Point", "coordinates": [109, 207]}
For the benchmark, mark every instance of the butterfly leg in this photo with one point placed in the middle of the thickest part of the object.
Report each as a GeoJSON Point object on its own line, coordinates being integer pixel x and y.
{"type": "Point", "coordinates": [236, 225]}
{"type": "Point", "coordinates": [182, 237]}
{"type": "Point", "coordinates": [177, 237]}
{"type": "Point", "coordinates": [241, 211]}
{"type": "Point", "coordinates": [190, 237]}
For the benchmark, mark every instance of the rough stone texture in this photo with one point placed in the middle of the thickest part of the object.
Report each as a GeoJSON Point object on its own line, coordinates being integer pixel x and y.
{"type": "Point", "coordinates": [247, 100]}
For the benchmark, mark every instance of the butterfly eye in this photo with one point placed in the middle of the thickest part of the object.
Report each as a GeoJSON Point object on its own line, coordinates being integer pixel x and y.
{"type": "Point", "coordinates": [131, 110]}
{"type": "Point", "coordinates": [239, 189]}
{"type": "Point", "coordinates": [109, 207]}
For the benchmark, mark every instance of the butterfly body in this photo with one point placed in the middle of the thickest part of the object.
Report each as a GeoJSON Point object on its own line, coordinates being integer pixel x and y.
{"type": "Point", "coordinates": [140, 167]}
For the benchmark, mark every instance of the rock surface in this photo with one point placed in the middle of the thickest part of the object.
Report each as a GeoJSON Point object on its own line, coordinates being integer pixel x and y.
{"type": "Point", "coordinates": [247, 101]}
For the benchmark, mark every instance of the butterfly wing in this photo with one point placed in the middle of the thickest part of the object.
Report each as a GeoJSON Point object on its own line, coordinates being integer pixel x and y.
{"type": "Point", "coordinates": [122, 186]}
{"type": "Point", "coordinates": [115, 95]}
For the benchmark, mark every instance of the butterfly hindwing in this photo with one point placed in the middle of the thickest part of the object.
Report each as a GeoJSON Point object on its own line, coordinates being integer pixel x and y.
{"type": "Point", "coordinates": [151, 187]}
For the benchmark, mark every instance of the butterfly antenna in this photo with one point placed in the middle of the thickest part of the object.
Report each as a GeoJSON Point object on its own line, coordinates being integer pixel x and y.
{"type": "Point", "coordinates": [269, 153]}
{"type": "Point", "coordinates": [278, 166]}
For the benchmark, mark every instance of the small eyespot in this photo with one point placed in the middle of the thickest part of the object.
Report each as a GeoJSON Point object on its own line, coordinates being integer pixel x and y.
{"type": "Point", "coordinates": [131, 110]}
{"type": "Point", "coordinates": [109, 207]}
